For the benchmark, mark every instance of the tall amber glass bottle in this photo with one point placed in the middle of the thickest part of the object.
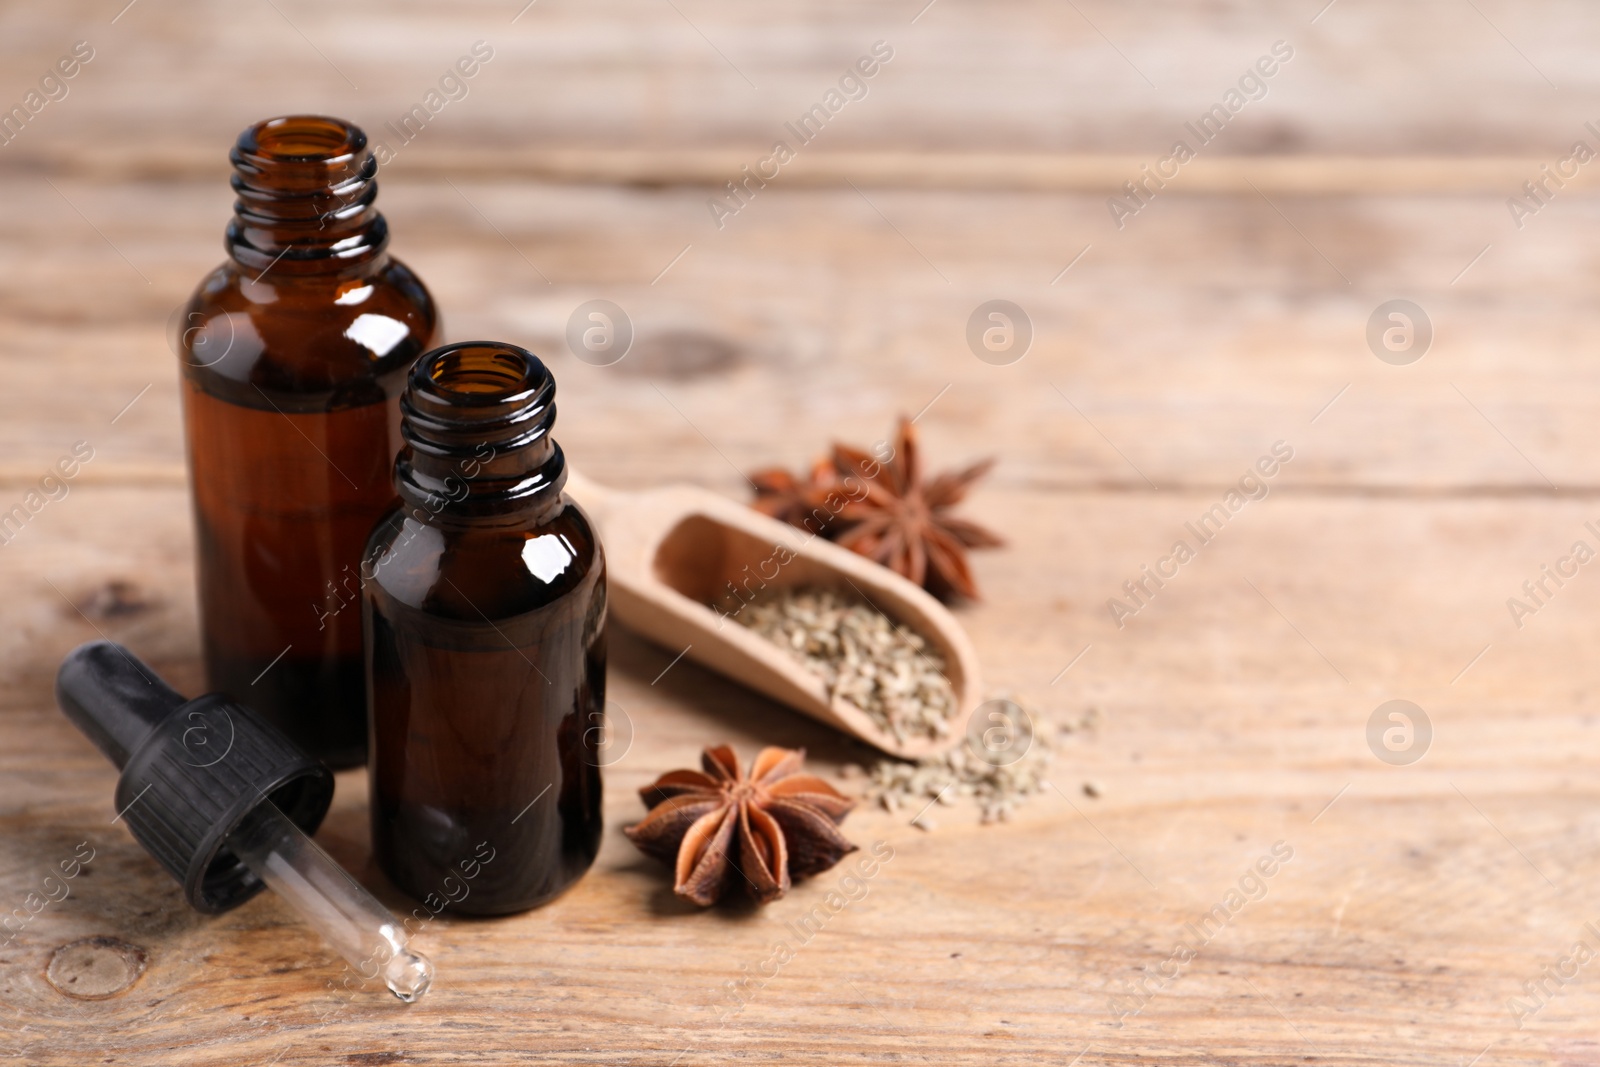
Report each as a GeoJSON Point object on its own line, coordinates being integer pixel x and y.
{"type": "Point", "coordinates": [485, 605]}
{"type": "Point", "coordinates": [294, 353]}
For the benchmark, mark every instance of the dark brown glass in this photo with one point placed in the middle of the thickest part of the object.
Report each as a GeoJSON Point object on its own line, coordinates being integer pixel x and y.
{"type": "Point", "coordinates": [484, 607]}
{"type": "Point", "coordinates": [294, 353]}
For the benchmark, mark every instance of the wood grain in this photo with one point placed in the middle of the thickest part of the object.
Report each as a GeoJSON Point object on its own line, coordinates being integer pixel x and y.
{"type": "Point", "coordinates": [1232, 325]}
{"type": "Point", "coordinates": [1432, 78]}
{"type": "Point", "coordinates": [1168, 355]}
{"type": "Point", "coordinates": [1072, 172]}
{"type": "Point", "coordinates": [1404, 918]}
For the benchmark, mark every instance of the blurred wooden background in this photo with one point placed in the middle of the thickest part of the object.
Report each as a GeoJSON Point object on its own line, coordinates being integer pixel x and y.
{"type": "Point", "coordinates": [1167, 356]}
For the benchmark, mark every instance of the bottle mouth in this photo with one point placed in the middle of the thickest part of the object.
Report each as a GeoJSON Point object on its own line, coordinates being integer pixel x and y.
{"type": "Point", "coordinates": [314, 139]}
{"type": "Point", "coordinates": [477, 389]}
{"type": "Point", "coordinates": [478, 373]}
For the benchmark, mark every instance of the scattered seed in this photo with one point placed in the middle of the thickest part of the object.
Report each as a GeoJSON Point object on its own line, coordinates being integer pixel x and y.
{"type": "Point", "coordinates": [996, 791]}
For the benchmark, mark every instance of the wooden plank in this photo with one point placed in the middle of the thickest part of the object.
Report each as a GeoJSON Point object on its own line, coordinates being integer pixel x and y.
{"type": "Point", "coordinates": [1017, 75]}
{"type": "Point", "coordinates": [1395, 934]}
{"type": "Point", "coordinates": [1075, 172]}
{"type": "Point", "coordinates": [1179, 346]}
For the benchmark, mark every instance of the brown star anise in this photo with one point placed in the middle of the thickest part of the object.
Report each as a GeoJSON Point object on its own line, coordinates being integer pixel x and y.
{"type": "Point", "coordinates": [719, 828]}
{"type": "Point", "coordinates": [791, 500]}
{"type": "Point", "coordinates": [886, 510]}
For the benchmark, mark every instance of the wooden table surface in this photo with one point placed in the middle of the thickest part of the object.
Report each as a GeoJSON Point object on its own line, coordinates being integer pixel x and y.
{"type": "Point", "coordinates": [1420, 903]}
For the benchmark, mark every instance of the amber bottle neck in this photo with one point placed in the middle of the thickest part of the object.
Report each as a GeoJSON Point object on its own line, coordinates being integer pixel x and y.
{"type": "Point", "coordinates": [476, 419]}
{"type": "Point", "coordinates": [306, 188]}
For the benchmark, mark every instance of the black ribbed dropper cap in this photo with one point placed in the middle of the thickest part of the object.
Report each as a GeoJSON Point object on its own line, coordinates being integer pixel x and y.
{"type": "Point", "coordinates": [191, 770]}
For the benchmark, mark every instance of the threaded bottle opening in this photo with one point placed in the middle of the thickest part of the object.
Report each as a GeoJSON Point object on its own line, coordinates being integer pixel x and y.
{"type": "Point", "coordinates": [306, 189]}
{"type": "Point", "coordinates": [476, 419]}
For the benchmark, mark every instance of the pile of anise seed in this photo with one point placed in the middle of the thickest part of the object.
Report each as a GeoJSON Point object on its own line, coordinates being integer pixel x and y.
{"type": "Point", "coordinates": [886, 670]}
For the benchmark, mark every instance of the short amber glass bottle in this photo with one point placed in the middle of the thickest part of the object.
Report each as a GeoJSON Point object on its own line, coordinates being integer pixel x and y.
{"type": "Point", "coordinates": [484, 605]}
{"type": "Point", "coordinates": [293, 354]}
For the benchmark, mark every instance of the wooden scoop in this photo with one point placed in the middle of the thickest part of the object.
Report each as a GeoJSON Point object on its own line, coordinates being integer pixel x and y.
{"type": "Point", "coordinates": [671, 552]}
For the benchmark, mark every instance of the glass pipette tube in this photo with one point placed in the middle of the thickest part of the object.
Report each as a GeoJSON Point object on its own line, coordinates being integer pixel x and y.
{"type": "Point", "coordinates": [360, 928]}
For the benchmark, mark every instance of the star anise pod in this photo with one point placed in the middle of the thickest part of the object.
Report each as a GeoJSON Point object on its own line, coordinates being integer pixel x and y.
{"type": "Point", "coordinates": [900, 519]}
{"type": "Point", "coordinates": [720, 828]}
{"type": "Point", "coordinates": [798, 502]}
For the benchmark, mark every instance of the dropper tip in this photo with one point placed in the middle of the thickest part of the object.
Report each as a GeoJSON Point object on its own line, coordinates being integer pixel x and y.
{"type": "Point", "coordinates": [408, 975]}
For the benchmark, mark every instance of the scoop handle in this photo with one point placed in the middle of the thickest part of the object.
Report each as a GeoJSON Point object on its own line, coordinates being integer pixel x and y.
{"type": "Point", "coordinates": [113, 697]}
